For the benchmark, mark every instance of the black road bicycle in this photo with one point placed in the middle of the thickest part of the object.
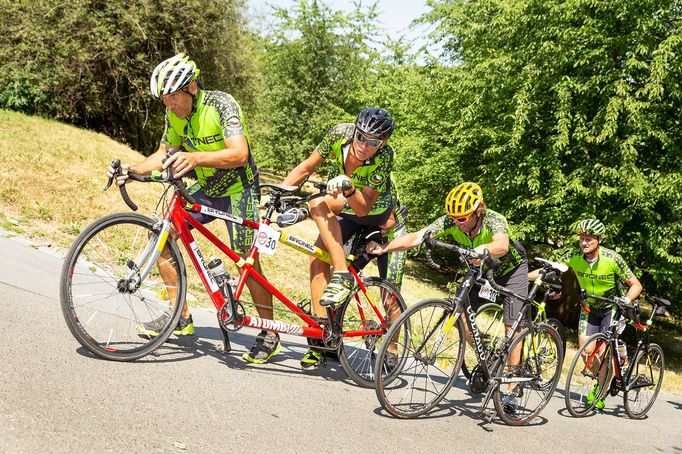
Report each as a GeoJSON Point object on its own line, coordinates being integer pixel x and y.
{"type": "Point", "coordinates": [431, 339]}
{"type": "Point", "coordinates": [490, 318]}
{"type": "Point", "coordinates": [597, 371]}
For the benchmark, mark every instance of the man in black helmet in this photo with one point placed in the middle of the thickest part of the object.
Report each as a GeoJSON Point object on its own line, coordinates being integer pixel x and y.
{"type": "Point", "coordinates": [363, 163]}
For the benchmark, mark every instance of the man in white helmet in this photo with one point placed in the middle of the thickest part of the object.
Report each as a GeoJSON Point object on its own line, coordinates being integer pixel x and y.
{"type": "Point", "coordinates": [207, 129]}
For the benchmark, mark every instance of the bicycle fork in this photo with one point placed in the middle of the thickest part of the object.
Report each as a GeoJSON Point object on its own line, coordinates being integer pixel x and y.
{"type": "Point", "coordinates": [147, 259]}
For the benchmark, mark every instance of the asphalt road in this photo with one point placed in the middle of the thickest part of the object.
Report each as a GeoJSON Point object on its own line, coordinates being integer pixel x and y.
{"type": "Point", "coordinates": [189, 397]}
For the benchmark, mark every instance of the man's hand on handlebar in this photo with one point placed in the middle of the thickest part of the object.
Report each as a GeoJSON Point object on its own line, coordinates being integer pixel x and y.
{"type": "Point", "coordinates": [121, 174]}
{"type": "Point", "coordinates": [336, 185]}
{"type": "Point", "coordinates": [375, 248]}
{"type": "Point", "coordinates": [478, 250]}
{"type": "Point", "coordinates": [180, 163]}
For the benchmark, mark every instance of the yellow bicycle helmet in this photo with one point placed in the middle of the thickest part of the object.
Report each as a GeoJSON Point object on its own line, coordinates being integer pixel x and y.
{"type": "Point", "coordinates": [463, 199]}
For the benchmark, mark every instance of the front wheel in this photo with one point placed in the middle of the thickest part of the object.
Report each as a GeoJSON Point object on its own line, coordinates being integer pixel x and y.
{"type": "Point", "coordinates": [431, 343]}
{"type": "Point", "coordinates": [588, 375]}
{"type": "Point", "coordinates": [645, 381]}
{"type": "Point", "coordinates": [358, 351]}
{"type": "Point", "coordinates": [108, 308]}
{"type": "Point", "coordinates": [526, 386]}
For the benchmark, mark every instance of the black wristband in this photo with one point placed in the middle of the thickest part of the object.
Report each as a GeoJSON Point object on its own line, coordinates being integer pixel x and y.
{"type": "Point", "coordinates": [351, 192]}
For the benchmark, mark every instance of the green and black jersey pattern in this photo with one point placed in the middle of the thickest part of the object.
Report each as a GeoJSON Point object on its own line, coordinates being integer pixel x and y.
{"type": "Point", "coordinates": [600, 277]}
{"type": "Point", "coordinates": [374, 173]}
{"type": "Point", "coordinates": [217, 117]}
{"type": "Point", "coordinates": [493, 223]}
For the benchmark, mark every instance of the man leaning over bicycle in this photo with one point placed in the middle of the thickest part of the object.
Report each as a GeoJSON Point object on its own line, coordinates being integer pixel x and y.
{"type": "Point", "coordinates": [599, 270]}
{"type": "Point", "coordinates": [362, 163]}
{"type": "Point", "coordinates": [474, 226]}
{"type": "Point", "coordinates": [206, 131]}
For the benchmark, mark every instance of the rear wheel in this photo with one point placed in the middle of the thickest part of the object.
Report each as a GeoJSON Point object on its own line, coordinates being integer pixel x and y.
{"type": "Point", "coordinates": [432, 339]}
{"type": "Point", "coordinates": [525, 388]}
{"type": "Point", "coordinates": [645, 381]}
{"type": "Point", "coordinates": [559, 327]}
{"type": "Point", "coordinates": [588, 375]}
{"type": "Point", "coordinates": [357, 354]}
{"type": "Point", "coordinates": [107, 310]}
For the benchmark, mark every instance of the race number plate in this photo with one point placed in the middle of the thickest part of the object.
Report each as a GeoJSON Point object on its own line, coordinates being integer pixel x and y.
{"type": "Point", "coordinates": [266, 240]}
{"type": "Point", "coordinates": [488, 293]}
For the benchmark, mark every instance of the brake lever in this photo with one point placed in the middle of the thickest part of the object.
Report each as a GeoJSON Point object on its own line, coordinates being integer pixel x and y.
{"type": "Point", "coordinates": [116, 165]}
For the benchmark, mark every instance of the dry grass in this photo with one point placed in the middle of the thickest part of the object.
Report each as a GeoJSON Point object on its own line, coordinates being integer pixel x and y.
{"type": "Point", "coordinates": [51, 176]}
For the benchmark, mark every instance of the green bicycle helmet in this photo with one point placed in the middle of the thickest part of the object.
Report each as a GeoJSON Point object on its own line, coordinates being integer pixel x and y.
{"type": "Point", "coordinates": [591, 227]}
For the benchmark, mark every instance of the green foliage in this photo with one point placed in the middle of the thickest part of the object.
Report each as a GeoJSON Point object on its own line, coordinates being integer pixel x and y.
{"type": "Point", "coordinates": [568, 109]}
{"type": "Point", "coordinates": [315, 64]}
{"type": "Point", "coordinates": [89, 62]}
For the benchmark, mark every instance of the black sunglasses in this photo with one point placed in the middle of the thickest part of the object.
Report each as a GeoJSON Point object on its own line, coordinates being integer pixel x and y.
{"type": "Point", "coordinates": [364, 139]}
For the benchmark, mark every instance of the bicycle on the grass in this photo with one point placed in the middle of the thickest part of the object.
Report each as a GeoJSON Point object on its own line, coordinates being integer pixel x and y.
{"type": "Point", "coordinates": [112, 281]}
{"type": "Point", "coordinates": [597, 371]}
{"type": "Point", "coordinates": [430, 336]}
{"type": "Point", "coordinates": [490, 319]}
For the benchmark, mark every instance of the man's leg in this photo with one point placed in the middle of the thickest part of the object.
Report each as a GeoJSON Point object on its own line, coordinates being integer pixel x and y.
{"type": "Point", "coordinates": [339, 285]}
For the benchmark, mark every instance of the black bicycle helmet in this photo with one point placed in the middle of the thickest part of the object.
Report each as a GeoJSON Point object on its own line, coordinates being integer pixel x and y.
{"type": "Point", "coordinates": [375, 122]}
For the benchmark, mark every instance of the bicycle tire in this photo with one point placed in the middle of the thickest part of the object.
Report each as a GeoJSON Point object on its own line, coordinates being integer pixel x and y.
{"type": "Point", "coordinates": [580, 397]}
{"type": "Point", "coordinates": [433, 358]}
{"type": "Point", "coordinates": [107, 321]}
{"type": "Point", "coordinates": [559, 327]}
{"type": "Point", "coordinates": [357, 354]}
{"type": "Point", "coordinates": [490, 323]}
{"type": "Point", "coordinates": [541, 360]}
{"type": "Point", "coordinates": [646, 376]}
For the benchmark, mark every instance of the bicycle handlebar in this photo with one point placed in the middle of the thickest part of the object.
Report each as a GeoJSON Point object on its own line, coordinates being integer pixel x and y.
{"type": "Point", "coordinates": [156, 177]}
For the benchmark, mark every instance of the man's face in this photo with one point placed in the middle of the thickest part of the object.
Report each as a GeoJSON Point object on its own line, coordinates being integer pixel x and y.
{"type": "Point", "coordinates": [366, 145]}
{"type": "Point", "coordinates": [466, 223]}
{"type": "Point", "coordinates": [588, 243]}
{"type": "Point", "coordinates": [180, 103]}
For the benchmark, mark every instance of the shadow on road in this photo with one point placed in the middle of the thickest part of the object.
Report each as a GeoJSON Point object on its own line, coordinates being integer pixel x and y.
{"type": "Point", "coordinates": [207, 341]}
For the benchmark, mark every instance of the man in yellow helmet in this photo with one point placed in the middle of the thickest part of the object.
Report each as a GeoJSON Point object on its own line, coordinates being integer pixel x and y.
{"type": "Point", "coordinates": [476, 227]}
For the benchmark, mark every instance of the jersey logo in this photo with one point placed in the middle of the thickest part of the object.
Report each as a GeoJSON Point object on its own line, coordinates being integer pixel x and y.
{"type": "Point", "coordinates": [234, 122]}
{"type": "Point", "coordinates": [377, 178]}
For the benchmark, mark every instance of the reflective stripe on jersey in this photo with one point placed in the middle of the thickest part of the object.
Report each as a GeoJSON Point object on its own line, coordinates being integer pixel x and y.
{"type": "Point", "coordinates": [493, 223]}
{"type": "Point", "coordinates": [217, 117]}
{"type": "Point", "coordinates": [601, 277]}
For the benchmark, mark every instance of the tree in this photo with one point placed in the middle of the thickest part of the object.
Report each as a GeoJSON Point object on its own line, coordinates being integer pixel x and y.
{"type": "Point", "coordinates": [315, 65]}
{"type": "Point", "coordinates": [568, 109]}
{"type": "Point", "coordinates": [89, 62]}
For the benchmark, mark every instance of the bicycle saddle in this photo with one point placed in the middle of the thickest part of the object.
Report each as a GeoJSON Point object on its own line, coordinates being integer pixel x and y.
{"type": "Point", "coordinates": [280, 188]}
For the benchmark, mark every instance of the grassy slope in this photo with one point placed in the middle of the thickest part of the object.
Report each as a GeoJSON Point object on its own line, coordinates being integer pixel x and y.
{"type": "Point", "coordinates": [51, 177]}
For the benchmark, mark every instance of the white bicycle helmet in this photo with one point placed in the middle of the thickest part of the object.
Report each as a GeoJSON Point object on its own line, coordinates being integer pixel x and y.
{"type": "Point", "coordinates": [172, 75]}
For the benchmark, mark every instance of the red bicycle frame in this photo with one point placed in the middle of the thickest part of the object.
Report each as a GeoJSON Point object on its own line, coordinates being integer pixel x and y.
{"type": "Point", "coordinates": [179, 217]}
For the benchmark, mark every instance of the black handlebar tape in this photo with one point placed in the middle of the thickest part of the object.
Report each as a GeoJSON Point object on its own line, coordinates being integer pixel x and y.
{"type": "Point", "coordinates": [126, 198]}
{"type": "Point", "coordinates": [427, 255]}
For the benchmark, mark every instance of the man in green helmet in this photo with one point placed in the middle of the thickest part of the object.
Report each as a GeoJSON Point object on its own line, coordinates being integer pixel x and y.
{"type": "Point", "coordinates": [207, 130]}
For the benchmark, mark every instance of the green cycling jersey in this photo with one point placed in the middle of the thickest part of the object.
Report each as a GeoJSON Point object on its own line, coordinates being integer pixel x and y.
{"type": "Point", "coordinates": [493, 223]}
{"type": "Point", "coordinates": [374, 173]}
{"type": "Point", "coordinates": [598, 278]}
{"type": "Point", "coordinates": [216, 117]}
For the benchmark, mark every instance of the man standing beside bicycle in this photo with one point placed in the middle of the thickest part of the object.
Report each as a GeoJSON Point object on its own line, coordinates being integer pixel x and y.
{"type": "Point", "coordinates": [474, 226]}
{"type": "Point", "coordinates": [207, 132]}
{"type": "Point", "coordinates": [362, 164]}
{"type": "Point", "coordinates": [599, 270]}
